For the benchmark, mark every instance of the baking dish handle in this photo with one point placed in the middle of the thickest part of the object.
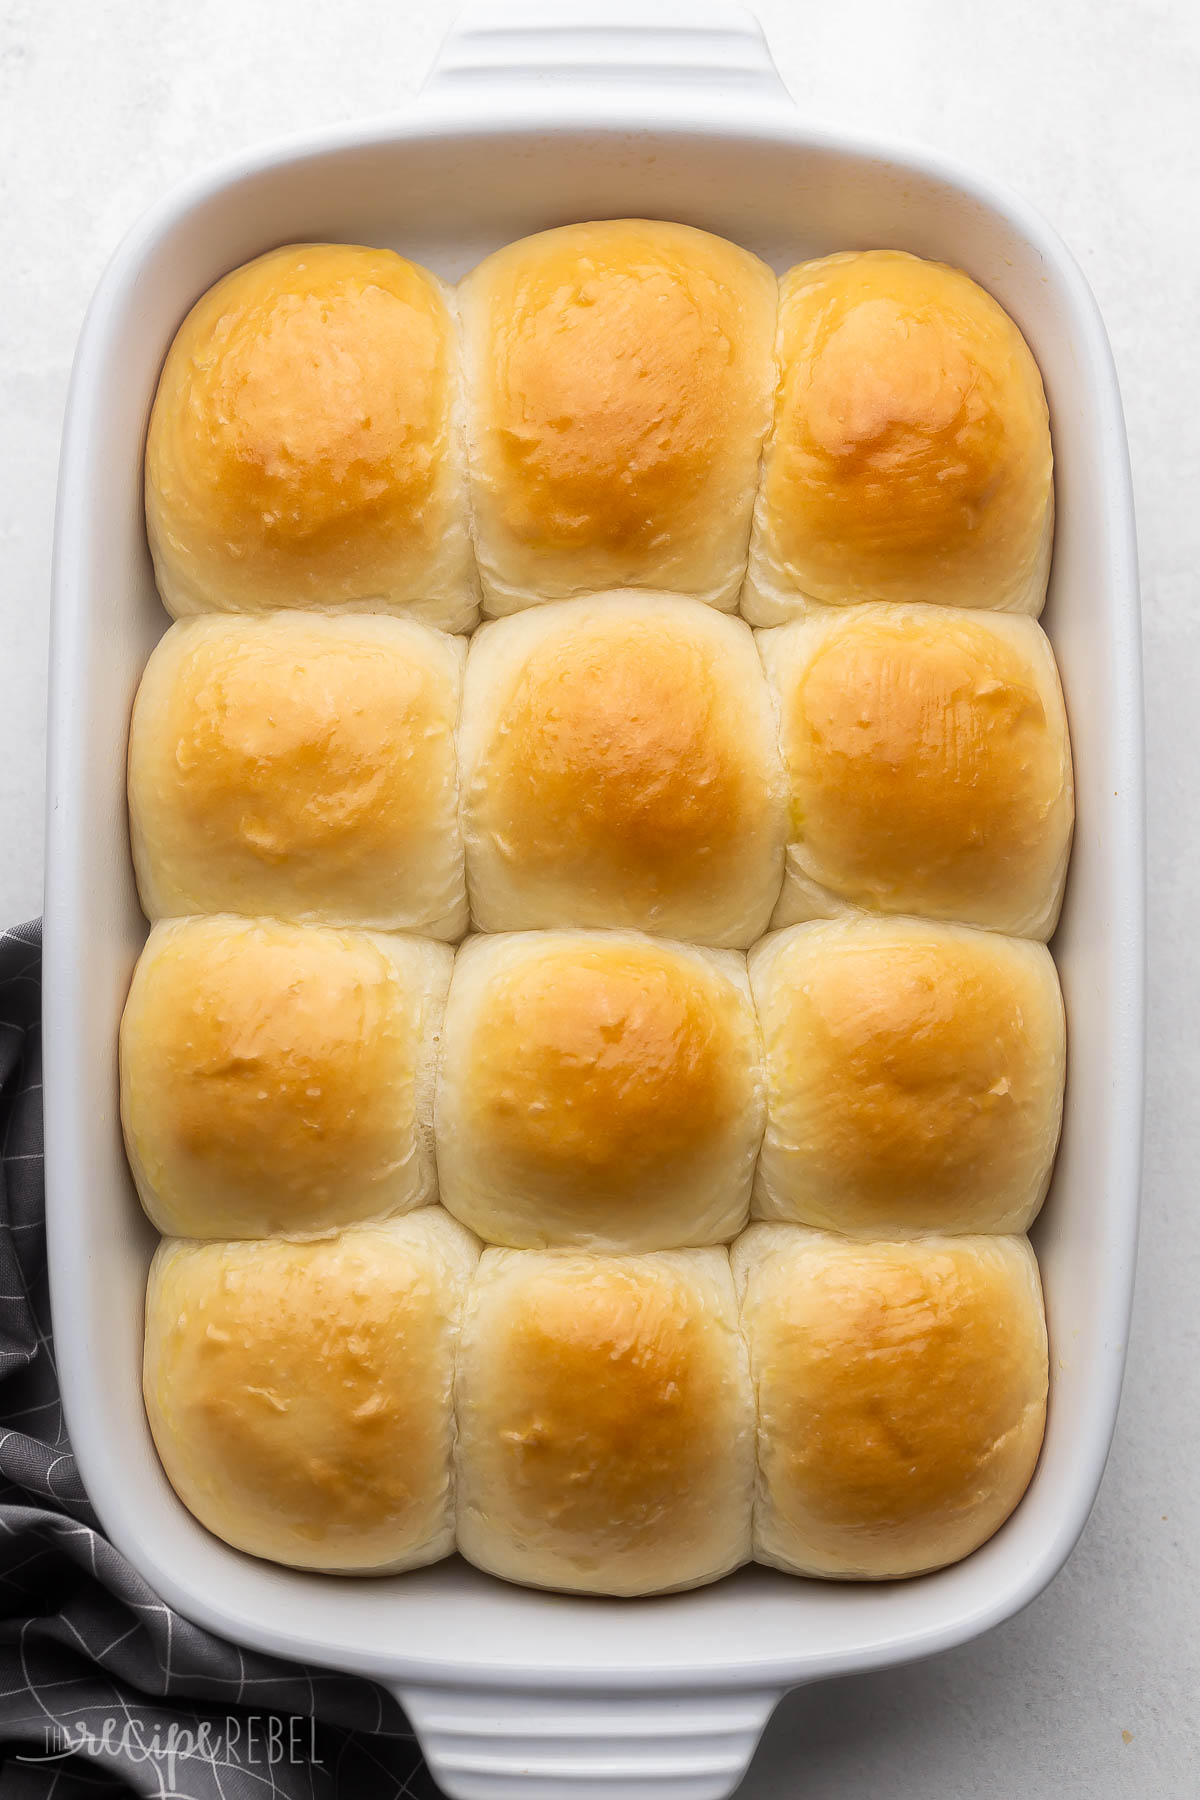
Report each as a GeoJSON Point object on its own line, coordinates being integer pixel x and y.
{"type": "Point", "coordinates": [658, 57]}
{"type": "Point", "coordinates": [532, 1745]}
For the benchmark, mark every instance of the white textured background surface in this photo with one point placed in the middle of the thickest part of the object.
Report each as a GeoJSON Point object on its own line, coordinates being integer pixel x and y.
{"type": "Point", "coordinates": [1091, 110]}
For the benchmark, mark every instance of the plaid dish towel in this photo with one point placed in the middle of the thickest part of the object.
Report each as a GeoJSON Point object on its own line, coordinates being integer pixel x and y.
{"type": "Point", "coordinates": [103, 1690]}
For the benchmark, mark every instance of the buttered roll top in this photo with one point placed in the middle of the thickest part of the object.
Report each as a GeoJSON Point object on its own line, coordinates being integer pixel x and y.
{"type": "Point", "coordinates": [305, 446]}
{"type": "Point", "coordinates": [301, 767]}
{"type": "Point", "coordinates": [619, 378]}
{"type": "Point", "coordinates": [910, 455]}
{"type": "Point", "coordinates": [620, 767]}
{"type": "Point", "coordinates": [929, 766]}
{"type": "Point", "coordinates": [301, 1394]}
{"type": "Point", "coordinates": [914, 1077]}
{"type": "Point", "coordinates": [605, 1424]}
{"type": "Point", "coordinates": [901, 1393]}
{"type": "Point", "coordinates": [599, 1088]}
{"type": "Point", "coordinates": [279, 1078]}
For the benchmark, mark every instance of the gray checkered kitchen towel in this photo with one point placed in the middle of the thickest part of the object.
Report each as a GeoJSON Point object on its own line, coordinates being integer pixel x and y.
{"type": "Point", "coordinates": [103, 1690]}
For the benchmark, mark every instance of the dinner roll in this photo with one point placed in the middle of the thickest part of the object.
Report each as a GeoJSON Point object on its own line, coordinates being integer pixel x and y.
{"type": "Point", "coordinates": [306, 447]}
{"type": "Point", "coordinates": [300, 1394]}
{"type": "Point", "coordinates": [605, 1423]}
{"type": "Point", "coordinates": [929, 766]}
{"type": "Point", "coordinates": [620, 378]}
{"type": "Point", "coordinates": [910, 456]}
{"type": "Point", "coordinates": [302, 767]}
{"type": "Point", "coordinates": [599, 1088]}
{"type": "Point", "coordinates": [914, 1077]}
{"type": "Point", "coordinates": [620, 767]}
{"type": "Point", "coordinates": [280, 1077]}
{"type": "Point", "coordinates": [901, 1393]}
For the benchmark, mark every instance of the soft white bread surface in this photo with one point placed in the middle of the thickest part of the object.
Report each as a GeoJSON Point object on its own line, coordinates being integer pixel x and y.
{"type": "Point", "coordinates": [303, 767]}
{"type": "Point", "coordinates": [605, 1421]}
{"type": "Point", "coordinates": [600, 1088]}
{"type": "Point", "coordinates": [914, 1077]}
{"type": "Point", "coordinates": [910, 455]}
{"type": "Point", "coordinates": [279, 1078]}
{"type": "Point", "coordinates": [620, 382]}
{"type": "Point", "coordinates": [306, 445]}
{"type": "Point", "coordinates": [301, 1394]}
{"type": "Point", "coordinates": [620, 768]}
{"type": "Point", "coordinates": [901, 1392]}
{"type": "Point", "coordinates": [929, 766]}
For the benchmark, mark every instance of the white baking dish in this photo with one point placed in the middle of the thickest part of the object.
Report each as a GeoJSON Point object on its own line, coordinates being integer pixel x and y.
{"type": "Point", "coordinates": [528, 124]}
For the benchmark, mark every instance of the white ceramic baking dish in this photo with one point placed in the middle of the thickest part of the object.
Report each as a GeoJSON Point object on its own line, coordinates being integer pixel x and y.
{"type": "Point", "coordinates": [529, 120]}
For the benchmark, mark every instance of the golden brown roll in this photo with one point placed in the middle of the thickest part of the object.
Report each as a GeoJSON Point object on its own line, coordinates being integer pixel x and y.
{"type": "Point", "coordinates": [605, 1424]}
{"type": "Point", "coordinates": [279, 1078]}
{"type": "Point", "coordinates": [620, 377]}
{"type": "Point", "coordinates": [301, 1394]}
{"type": "Point", "coordinates": [929, 766]}
{"type": "Point", "coordinates": [599, 1088]}
{"type": "Point", "coordinates": [306, 446]}
{"type": "Point", "coordinates": [914, 1077]}
{"type": "Point", "coordinates": [910, 455]}
{"type": "Point", "coordinates": [303, 767]}
{"type": "Point", "coordinates": [901, 1392]}
{"type": "Point", "coordinates": [620, 767]}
